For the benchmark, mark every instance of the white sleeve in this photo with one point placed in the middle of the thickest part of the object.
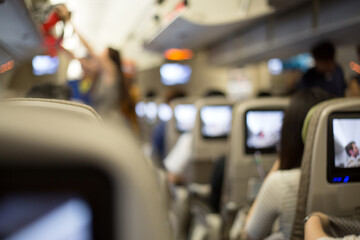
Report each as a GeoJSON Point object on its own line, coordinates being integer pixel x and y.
{"type": "Point", "coordinates": [180, 155]}
{"type": "Point", "coordinates": [350, 237]}
{"type": "Point", "coordinates": [267, 208]}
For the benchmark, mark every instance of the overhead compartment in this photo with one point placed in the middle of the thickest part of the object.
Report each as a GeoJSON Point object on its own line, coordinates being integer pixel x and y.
{"type": "Point", "coordinates": [19, 38]}
{"type": "Point", "coordinates": [202, 22]}
{"type": "Point", "coordinates": [291, 32]}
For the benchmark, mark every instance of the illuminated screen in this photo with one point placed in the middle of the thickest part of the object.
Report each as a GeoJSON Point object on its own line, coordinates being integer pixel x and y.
{"type": "Point", "coordinates": [175, 73]}
{"type": "Point", "coordinates": [43, 64]}
{"type": "Point", "coordinates": [55, 202]}
{"type": "Point", "coordinates": [151, 112]}
{"type": "Point", "coordinates": [39, 216]}
{"type": "Point", "coordinates": [216, 121]}
{"type": "Point", "coordinates": [140, 109]}
{"type": "Point", "coordinates": [165, 112]}
{"type": "Point", "coordinates": [343, 147]}
{"type": "Point", "coordinates": [263, 128]}
{"type": "Point", "coordinates": [185, 115]}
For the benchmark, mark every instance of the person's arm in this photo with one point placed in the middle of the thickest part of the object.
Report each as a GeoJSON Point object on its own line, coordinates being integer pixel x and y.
{"type": "Point", "coordinates": [84, 42]}
{"type": "Point", "coordinates": [314, 226]}
{"type": "Point", "coordinates": [178, 159]}
{"type": "Point", "coordinates": [174, 178]}
{"type": "Point", "coordinates": [353, 89]}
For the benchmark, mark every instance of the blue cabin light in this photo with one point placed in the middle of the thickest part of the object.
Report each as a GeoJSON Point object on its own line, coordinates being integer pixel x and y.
{"type": "Point", "coordinates": [346, 179]}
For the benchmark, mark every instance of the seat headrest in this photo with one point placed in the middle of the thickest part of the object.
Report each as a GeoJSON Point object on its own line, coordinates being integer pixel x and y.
{"type": "Point", "coordinates": [48, 105]}
{"type": "Point", "coordinates": [45, 134]}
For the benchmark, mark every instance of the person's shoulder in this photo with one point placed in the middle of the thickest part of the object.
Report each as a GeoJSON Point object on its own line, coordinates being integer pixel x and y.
{"type": "Point", "coordinates": [310, 71]}
{"type": "Point", "coordinates": [309, 74]}
{"type": "Point", "coordinates": [284, 175]}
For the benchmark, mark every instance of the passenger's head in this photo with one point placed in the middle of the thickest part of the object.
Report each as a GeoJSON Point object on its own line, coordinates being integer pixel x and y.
{"type": "Point", "coordinates": [173, 94]}
{"type": "Point", "coordinates": [50, 91]}
{"type": "Point", "coordinates": [263, 94]}
{"type": "Point", "coordinates": [352, 150]}
{"type": "Point", "coordinates": [214, 93]}
{"type": "Point", "coordinates": [324, 56]}
{"type": "Point", "coordinates": [150, 94]}
{"type": "Point", "coordinates": [292, 146]}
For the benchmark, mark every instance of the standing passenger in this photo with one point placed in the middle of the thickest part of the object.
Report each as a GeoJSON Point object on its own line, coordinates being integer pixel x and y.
{"type": "Point", "coordinates": [326, 74]}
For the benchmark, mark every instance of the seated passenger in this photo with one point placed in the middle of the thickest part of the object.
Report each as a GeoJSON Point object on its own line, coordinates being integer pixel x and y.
{"type": "Point", "coordinates": [158, 137]}
{"type": "Point", "coordinates": [278, 194]}
{"type": "Point", "coordinates": [353, 152]}
{"type": "Point", "coordinates": [50, 91]}
{"type": "Point", "coordinates": [317, 225]}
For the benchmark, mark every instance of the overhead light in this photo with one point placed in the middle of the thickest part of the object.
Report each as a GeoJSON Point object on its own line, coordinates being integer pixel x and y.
{"type": "Point", "coordinates": [176, 54]}
{"type": "Point", "coordinates": [7, 66]}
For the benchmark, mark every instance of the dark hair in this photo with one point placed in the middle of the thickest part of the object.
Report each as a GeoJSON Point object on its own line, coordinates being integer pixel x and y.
{"type": "Point", "coordinates": [174, 94]}
{"type": "Point", "coordinates": [292, 146]}
{"type": "Point", "coordinates": [349, 147]}
{"type": "Point", "coordinates": [323, 51]}
{"type": "Point", "coordinates": [358, 49]}
{"type": "Point", "coordinates": [150, 94]}
{"type": "Point", "coordinates": [50, 91]}
{"type": "Point", "coordinates": [263, 94]}
{"type": "Point", "coordinates": [115, 57]}
{"type": "Point", "coordinates": [214, 93]}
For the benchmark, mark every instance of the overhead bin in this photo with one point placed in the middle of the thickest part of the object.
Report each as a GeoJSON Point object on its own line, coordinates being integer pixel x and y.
{"type": "Point", "coordinates": [288, 33]}
{"type": "Point", "coordinates": [201, 23]}
{"type": "Point", "coordinates": [19, 37]}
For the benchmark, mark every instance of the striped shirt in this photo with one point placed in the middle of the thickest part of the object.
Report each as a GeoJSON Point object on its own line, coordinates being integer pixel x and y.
{"type": "Point", "coordinates": [277, 198]}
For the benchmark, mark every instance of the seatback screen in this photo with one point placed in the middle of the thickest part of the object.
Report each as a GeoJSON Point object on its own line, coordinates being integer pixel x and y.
{"type": "Point", "coordinates": [215, 121]}
{"type": "Point", "coordinates": [263, 130]}
{"type": "Point", "coordinates": [343, 147]}
{"type": "Point", "coordinates": [25, 216]}
{"type": "Point", "coordinates": [55, 202]}
{"type": "Point", "coordinates": [185, 115]}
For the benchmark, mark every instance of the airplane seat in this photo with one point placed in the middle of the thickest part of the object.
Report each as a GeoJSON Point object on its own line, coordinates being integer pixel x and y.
{"type": "Point", "coordinates": [183, 119]}
{"type": "Point", "coordinates": [66, 176]}
{"type": "Point", "coordinates": [74, 109]}
{"type": "Point", "coordinates": [255, 134]}
{"type": "Point", "coordinates": [254, 137]}
{"type": "Point", "coordinates": [210, 137]}
{"type": "Point", "coordinates": [329, 180]}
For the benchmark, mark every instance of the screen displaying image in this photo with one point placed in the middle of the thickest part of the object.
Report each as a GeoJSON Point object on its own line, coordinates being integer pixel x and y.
{"type": "Point", "coordinates": [263, 129]}
{"type": "Point", "coordinates": [46, 217]}
{"type": "Point", "coordinates": [346, 133]}
{"type": "Point", "coordinates": [151, 112]}
{"type": "Point", "coordinates": [185, 115]}
{"type": "Point", "coordinates": [43, 64]}
{"type": "Point", "coordinates": [216, 121]}
{"type": "Point", "coordinates": [175, 73]}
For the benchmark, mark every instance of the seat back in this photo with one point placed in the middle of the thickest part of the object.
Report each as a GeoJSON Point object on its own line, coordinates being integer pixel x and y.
{"type": "Point", "coordinates": [51, 106]}
{"type": "Point", "coordinates": [327, 184]}
{"type": "Point", "coordinates": [210, 136]}
{"type": "Point", "coordinates": [183, 120]}
{"type": "Point", "coordinates": [255, 129]}
{"type": "Point", "coordinates": [59, 170]}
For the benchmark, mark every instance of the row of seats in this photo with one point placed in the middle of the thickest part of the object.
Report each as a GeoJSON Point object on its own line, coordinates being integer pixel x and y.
{"type": "Point", "coordinates": [246, 166]}
{"type": "Point", "coordinates": [58, 155]}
